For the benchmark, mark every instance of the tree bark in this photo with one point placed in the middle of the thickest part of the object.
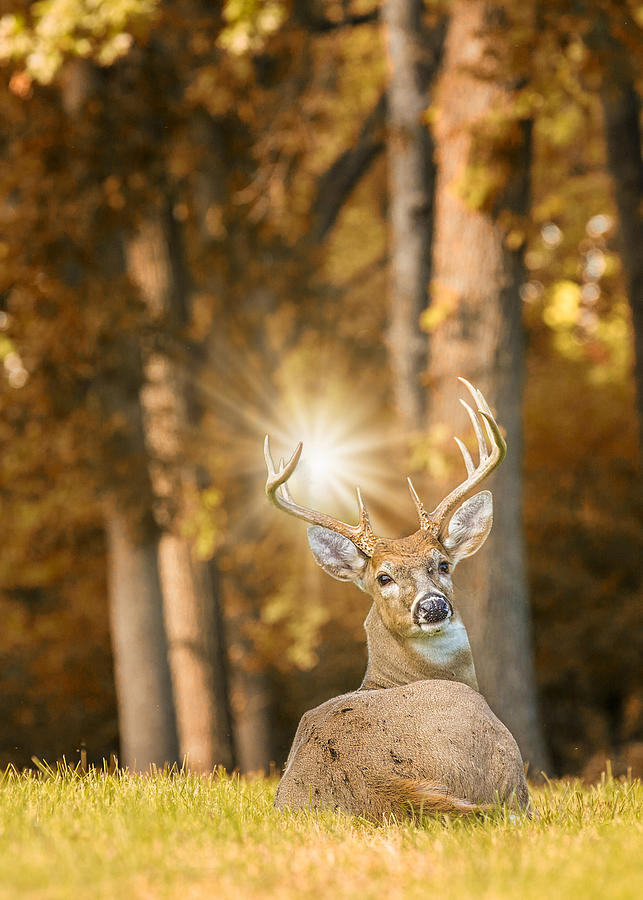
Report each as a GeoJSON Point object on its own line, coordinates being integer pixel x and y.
{"type": "Point", "coordinates": [478, 277]}
{"type": "Point", "coordinates": [195, 643]}
{"type": "Point", "coordinates": [141, 671]}
{"type": "Point", "coordinates": [192, 615]}
{"type": "Point", "coordinates": [413, 53]}
{"type": "Point", "coordinates": [622, 118]}
{"type": "Point", "coordinates": [146, 710]}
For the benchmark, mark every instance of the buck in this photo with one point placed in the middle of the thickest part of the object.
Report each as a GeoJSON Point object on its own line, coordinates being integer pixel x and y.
{"type": "Point", "coordinates": [416, 734]}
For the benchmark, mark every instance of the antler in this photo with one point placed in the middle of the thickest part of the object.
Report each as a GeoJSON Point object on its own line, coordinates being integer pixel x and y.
{"type": "Point", "coordinates": [277, 492]}
{"type": "Point", "coordinates": [362, 534]}
{"type": "Point", "coordinates": [488, 460]}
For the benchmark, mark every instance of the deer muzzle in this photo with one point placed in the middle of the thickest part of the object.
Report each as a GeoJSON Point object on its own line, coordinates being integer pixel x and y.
{"type": "Point", "coordinates": [432, 609]}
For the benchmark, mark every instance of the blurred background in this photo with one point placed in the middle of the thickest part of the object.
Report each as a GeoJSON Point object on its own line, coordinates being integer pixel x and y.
{"type": "Point", "coordinates": [306, 218]}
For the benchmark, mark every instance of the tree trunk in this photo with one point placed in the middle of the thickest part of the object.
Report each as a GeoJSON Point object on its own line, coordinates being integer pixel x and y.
{"type": "Point", "coordinates": [147, 728]}
{"type": "Point", "coordinates": [196, 647]}
{"type": "Point", "coordinates": [142, 675]}
{"type": "Point", "coordinates": [252, 707]}
{"type": "Point", "coordinates": [622, 116]}
{"type": "Point", "coordinates": [195, 642]}
{"type": "Point", "coordinates": [478, 277]}
{"type": "Point", "coordinates": [413, 56]}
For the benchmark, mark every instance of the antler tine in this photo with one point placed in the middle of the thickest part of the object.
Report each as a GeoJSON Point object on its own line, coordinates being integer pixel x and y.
{"type": "Point", "coordinates": [488, 458]}
{"type": "Point", "coordinates": [483, 450]}
{"type": "Point", "coordinates": [267, 455]}
{"type": "Point", "coordinates": [422, 513]}
{"type": "Point", "coordinates": [278, 477]}
{"type": "Point", "coordinates": [277, 491]}
{"type": "Point", "coordinates": [465, 455]}
{"type": "Point", "coordinates": [495, 434]}
{"type": "Point", "coordinates": [483, 408]}
{"type": "Point", "coordinates": [363, 513]}
{"type": "Point", "coordinates": [283, 489]}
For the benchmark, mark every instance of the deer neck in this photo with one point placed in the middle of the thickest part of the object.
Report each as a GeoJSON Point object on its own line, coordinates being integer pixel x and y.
{"type": "Point", "coordinates": [394, 660]}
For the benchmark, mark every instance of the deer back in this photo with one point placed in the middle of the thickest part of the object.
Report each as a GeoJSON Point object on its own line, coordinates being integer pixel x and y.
{"type": "Point", "coordinates": [369, 753]}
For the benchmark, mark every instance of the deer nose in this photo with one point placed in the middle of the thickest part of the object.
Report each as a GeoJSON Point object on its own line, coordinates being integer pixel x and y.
{"type": "Point", "coordinates": [432, 608]}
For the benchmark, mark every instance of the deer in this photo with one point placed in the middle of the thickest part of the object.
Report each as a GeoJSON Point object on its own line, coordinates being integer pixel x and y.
{"type": "Point", "coordinates": [417, 736]}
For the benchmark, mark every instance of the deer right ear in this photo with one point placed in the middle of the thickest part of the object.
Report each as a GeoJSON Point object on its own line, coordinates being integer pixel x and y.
{"type": "Point", "coordinates": [469, 527]}
{"type": "Point", "coordinates": [337, 556]}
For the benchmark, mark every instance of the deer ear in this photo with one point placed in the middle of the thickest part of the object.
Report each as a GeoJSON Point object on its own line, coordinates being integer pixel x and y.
{"type": "Point", "coordinates": [469, 526]}
{"type": "Point", "coordinates": [336, 555]}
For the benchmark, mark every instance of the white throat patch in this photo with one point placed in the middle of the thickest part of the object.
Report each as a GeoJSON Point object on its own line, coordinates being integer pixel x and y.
{"type": "Point", "coordinates": [438, 649]}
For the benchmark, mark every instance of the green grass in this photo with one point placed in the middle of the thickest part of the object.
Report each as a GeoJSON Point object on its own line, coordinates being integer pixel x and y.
{"type": "Point", "coordinates": [66, 835]}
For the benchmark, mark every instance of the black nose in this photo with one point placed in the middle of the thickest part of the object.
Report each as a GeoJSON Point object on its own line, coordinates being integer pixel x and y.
{"type": "Point", "coordinates": [431, 609]}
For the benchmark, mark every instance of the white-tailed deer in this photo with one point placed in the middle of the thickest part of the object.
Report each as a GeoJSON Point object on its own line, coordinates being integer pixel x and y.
{"type": "Point", "coordinates": [417, 734]}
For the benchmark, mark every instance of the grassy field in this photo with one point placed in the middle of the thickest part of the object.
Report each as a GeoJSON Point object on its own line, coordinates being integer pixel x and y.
{"type": "Point", "coordinates": [68, 835]}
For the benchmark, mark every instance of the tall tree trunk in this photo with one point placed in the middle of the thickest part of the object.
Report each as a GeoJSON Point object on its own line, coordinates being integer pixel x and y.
{"type": "Point", "coordinates": [413, 53]}
{"type": "Point", "coordinates": [196, 645]}
{"type": "Point", "coordinates": [622, 123]}
{"type": "Point", "coordinates": [143, 686]}
{"type": "Point", "coordinates": [147, 727]}
{"type": "Point", "coordinates": [192, 614]}
{"type": "Point", "coordinates": [478, 277]}
{"type": "Point", "coordinates": [146, 713]}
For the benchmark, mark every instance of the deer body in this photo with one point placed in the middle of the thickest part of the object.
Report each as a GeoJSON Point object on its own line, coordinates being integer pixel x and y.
{"type": "Point", "coordinates": [417, 733]}
{"type": "Point", "coordinates": [430, 744]}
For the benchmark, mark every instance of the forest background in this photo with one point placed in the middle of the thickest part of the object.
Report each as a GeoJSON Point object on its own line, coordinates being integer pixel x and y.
{"type": "Point", "coordinates": [306, 218]}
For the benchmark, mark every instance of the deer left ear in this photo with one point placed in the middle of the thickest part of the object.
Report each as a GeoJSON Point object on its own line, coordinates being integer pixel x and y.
{"type": "Point", "coordinates": [336, 555]}
{"type": "Point", "coordinates": [469, 526]}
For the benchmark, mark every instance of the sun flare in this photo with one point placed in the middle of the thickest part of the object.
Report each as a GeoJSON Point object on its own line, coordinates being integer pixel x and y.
{"type": "Point", "coordinates": [339, 454]}
{"type": "Point", "coordinates": [348, 438]}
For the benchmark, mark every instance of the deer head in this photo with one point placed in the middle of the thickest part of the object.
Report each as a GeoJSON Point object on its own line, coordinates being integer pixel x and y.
{"type": "Point", "coordinates": [409, 578]}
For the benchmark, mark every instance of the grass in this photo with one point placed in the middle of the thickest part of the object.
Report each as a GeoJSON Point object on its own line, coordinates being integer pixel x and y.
{"type": "Point", "coordinates": [65, 834]}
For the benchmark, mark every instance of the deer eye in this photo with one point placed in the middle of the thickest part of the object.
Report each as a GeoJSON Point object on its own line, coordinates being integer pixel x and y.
{"type": "Point", "coordinates": [444, 567]}
{"type": "Point", "coordinates": [383, 579]}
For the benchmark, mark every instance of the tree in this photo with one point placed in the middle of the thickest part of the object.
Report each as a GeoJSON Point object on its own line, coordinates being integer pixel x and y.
{"type": "Point", "coordinates": [193, 621]}
{"type": "Point", "coordinates": [476, 331]}
{"type": "Point", "coordinates": [622, 123]}
{"type": "Point", "coordinates": [146, 711]}
{"type": "Point", "coordinates": [134, 541]}
{"type": "Point", "coordinates": [414, 51]}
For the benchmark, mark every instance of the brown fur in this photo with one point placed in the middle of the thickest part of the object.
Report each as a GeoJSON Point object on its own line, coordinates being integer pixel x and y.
{"type": "Point", "coordinates": [372, 753]}
{"type": "Point", "coordinates": [422, 797]}
{"type": "Point", "coordinates": [393, 661]}
{"type": "Point", "coordinates": [413, 562]}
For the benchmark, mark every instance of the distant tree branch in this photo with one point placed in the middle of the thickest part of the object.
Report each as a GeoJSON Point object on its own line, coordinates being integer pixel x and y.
{"type": "Point", "coordinates": [322, 26]}
{"type": "Point", "coordinates": [306, 15]}
{"type": "Point", "coordinates": [365, 273]}
{"type": "Point", "coordinates": [337, 183]}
